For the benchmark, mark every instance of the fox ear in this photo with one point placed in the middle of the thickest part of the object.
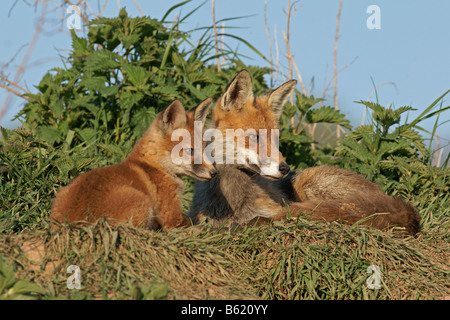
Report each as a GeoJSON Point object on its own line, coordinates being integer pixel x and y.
{"type": "Point", "coordinates": [279, 96]}
{"type": "Point", "coordinates": [238, 92]}
{"type": "Point", "coordinates": [174, 116]}
{"type": "Point", "coordinates": [201, 110]}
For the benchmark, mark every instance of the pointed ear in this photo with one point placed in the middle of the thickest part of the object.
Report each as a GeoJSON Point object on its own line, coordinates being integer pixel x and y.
{"type": "Point", "coordinates": [174, 116]}
{"type": "Point", "coordinates": [201, 110]}
{"type": "Point", "coordinates": [279, 96]}
{"type": "Point", "coordinates": [238, 92]}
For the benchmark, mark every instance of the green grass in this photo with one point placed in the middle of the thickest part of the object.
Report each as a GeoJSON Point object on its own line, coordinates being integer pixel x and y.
{"type": "Point", "coordinates": [295, 259]}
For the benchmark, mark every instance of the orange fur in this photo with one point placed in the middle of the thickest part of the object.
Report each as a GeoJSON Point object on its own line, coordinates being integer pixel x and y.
{"type": "Point", "coordinates": [145, 188]}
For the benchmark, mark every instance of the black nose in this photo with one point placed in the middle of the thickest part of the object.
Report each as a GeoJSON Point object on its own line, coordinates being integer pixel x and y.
{"type": "Point", "coordinates": [213, 173]}
{"type": "Point", "coordinates": [284, 168]}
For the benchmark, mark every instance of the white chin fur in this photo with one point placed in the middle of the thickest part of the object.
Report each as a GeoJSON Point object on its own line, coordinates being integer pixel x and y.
{"type": "Point", "coordinates": [271, 169]}
{"type": "Point", "coordinates": [267, 169]}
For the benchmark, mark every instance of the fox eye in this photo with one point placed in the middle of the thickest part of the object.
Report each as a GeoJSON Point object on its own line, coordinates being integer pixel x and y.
{"type": "Point", "coordinates": [253, 137]}
{"type": "Point", "coordinates": [188, 151]}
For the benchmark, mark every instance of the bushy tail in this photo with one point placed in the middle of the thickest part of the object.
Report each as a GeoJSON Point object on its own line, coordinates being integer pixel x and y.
{"type": "Point", "coordinates": [379, 211]}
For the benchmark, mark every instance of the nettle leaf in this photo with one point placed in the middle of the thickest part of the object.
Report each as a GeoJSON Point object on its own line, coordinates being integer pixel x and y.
{"type": "Point", "coordinates": [47, 83]}
{"type": "Point", "coordinates": [136, 75]}
{"type": "Point", "coordinates": [50, 134]}
{"type": "Point", "coordinates": [360, 132]}
{"type": "Point", "coordinates": [387, 117]}
{"type": "Point", "coordinates": [304, 103]}
{"type": "Point", "coordinates": [409, 165]}
{"type": "Point", "coordinates": [57, 108]}
{"type": "Point", "coordinates": [371, 105]}
{"type": "Point", "coordinates": [169, 93]}
{"type": "Point", "coordinates": [414, 136]}
{"type": "Point", "coordinates": [130, 40]}
{"type": "Point", "coordinates": [289, 110]}
{"type": "Point", "coordinates": [128, 99]}
{"type": "Point", "coordinates": [87, 134]}
{"type": "Point", "coordinates": [403, 109]}
{"type": "Point", "coordinates": [65, 77]}
{"type": "Point", "coordinates": [354, 149]}
{"type": "Point", "coordinates": [199, 77]}
{"type": "Point", "coordinates": [142, 119]}
{"type": "Point", "coordinates": [79, 44]}
{"type": "Point", "coordinates": [92, 108]}
{"type": "Point", "coordinates": [93, 83]}
{"type": "Point", "coordinates": [210, 90]}
{"type": "Point", "coordinates": [82, 103]}
{"type": "Point", "coordinates": [100, 60]}
{"type": "Point", "coordinates": [288, 136]}
{"type": "Point", "coordinates": [328, 115]}
{"type": "Point", "coordinates": [387, 147]}
{"type": "Point", "coordinates": [387, 164]}
{"type": "Point", "coordinates": [109, 90]}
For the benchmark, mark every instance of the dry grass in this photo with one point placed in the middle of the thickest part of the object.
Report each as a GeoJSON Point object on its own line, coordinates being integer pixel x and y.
{"type": "Point", "coordinates": [296, 259]}
{"type": "Point", "coordinates": [118, 262]}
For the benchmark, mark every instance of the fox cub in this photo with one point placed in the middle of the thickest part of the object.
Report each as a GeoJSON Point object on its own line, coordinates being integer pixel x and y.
{"type": "Point", "coordinates": [247, 193]}
{"type": "Point", "coordinates": [146, 187]}
{"type": "Point", "coordinates": [243, 190]}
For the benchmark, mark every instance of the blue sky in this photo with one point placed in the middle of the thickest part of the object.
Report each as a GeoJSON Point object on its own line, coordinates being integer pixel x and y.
{"type": "Point", "coordinates": [409, 57]}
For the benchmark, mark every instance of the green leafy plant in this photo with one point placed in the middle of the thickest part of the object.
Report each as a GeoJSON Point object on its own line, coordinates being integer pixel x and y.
{"type": "Point", "coordinates": [13, 289]}
{"type": "Point", "coordinates": [118, 78]}
{"type": "Point", "coordinates": [390, 153]}
{"type": "Point", "coordinates": [297, 119]}
{"type": "Point", "coordinates": [157, 291]}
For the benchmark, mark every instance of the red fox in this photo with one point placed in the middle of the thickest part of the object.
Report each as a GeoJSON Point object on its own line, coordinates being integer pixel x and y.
{"type": "Point", "coordinates": [146, 187]}
{"type": "Point", "coordinates": [240, 194]}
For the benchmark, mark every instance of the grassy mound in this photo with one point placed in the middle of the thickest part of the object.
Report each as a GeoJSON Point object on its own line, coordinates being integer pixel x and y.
{"type": "Point", "coordinates": [294, 259]}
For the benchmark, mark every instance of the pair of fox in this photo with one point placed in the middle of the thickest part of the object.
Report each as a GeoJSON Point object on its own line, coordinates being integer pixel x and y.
{"type": "Point", "coordinates": [146, 188]}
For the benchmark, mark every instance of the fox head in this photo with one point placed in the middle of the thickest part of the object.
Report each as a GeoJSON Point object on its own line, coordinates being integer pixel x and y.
{"type": "Point", "coordinates": [162, 140]}
{"type": "Point", "coordinates": [255, 123]}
